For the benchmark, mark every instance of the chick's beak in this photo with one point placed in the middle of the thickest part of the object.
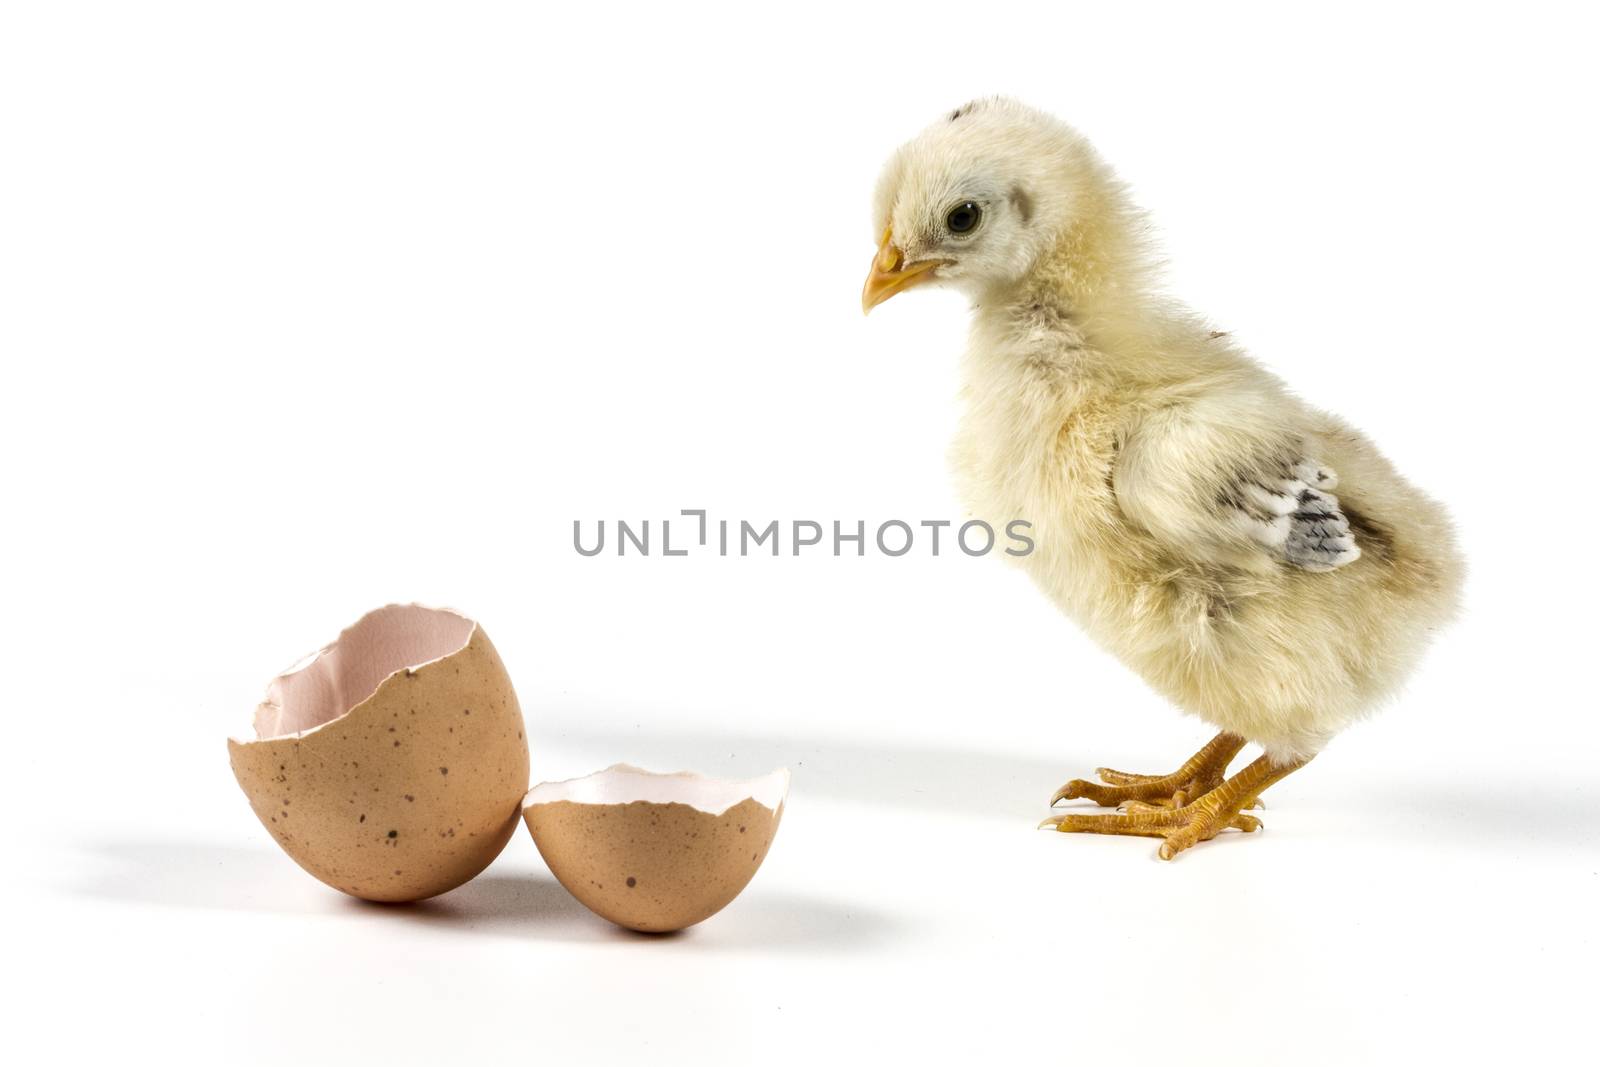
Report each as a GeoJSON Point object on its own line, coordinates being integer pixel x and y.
{"type": "Point", "coordinates": [891, 274]}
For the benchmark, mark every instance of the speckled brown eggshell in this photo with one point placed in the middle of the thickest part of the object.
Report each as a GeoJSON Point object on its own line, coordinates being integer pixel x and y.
{"type": "Point", "coordinates": [654, 865]}
{"type": "Point", "coordinates": [391, 764]}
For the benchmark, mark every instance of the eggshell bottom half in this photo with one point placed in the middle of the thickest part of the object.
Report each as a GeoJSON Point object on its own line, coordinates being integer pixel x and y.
{"type": "Point", "coordinates": [652, 867]}
{"type": "Point", "coordinates": [416, 788]}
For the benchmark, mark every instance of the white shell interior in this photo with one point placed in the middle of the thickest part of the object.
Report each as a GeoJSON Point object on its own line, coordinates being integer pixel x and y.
{"type": "Point", "coordinates": [327, 684]}
{"type": "Point", "coordinates": [623, 784]}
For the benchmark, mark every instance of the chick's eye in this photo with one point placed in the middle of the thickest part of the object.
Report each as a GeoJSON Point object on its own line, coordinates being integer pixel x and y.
{"type": "Point", "coordinates": [963, 218]}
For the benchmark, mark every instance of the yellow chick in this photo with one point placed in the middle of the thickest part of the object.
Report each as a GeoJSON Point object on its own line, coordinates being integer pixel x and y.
{"type": "Point", "coordinates": [1254, 559]}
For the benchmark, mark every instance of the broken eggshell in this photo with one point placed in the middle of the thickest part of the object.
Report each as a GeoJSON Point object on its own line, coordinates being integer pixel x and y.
{"type": "Point", "coordinates": [391, 763]}
{"type": "Point", "coordinates": [655, 852]}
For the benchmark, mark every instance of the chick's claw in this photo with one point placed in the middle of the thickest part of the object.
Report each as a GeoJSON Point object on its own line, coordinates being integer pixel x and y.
{"type": "Point", "coordinates": [1181, 827]}
{"type": "Point", "coordinates": [1193, 791]}
{"type": "Point", "coordinates": [1186, 824]}
{"type": "Point", "coordinates": [1111, 777]}
{"type": "Point", "coordinates": [1126, 825]}
{"type": "Point", "coordinates": [1169, 791]}
{"type": "Point", "coordinates": [1200, 774]}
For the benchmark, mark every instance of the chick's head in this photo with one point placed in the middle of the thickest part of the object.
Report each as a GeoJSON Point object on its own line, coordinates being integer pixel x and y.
{"type": "Point", "coordinates": [976, 200]}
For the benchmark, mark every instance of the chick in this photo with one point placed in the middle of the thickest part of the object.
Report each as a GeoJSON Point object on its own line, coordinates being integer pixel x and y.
{"type": "Point", "coordinates": [1254, 559]}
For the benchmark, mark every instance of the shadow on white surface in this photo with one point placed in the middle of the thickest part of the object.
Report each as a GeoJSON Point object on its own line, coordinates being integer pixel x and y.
{"type": "Point", "coordinates": [509, 904]}
{"type": "Point", "coordinates": [537, 907]}
{"type": "Point", "coordinates": [972, 782]}
{"type": "Point", "coordinates": [1559, 812]}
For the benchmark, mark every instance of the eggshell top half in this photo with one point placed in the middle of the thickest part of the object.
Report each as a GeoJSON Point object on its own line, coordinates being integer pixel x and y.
{"type": "Point", "coordinates": [391, 764]}
{"type": "Point", "coordinates": [655, 852]}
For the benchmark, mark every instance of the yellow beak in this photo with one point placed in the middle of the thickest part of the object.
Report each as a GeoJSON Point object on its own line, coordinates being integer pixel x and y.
{"type": "Point", "coordinates": [890, 274]}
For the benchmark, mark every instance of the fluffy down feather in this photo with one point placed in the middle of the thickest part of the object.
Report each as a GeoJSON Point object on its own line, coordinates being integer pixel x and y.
{"type": "Point", "coordinates": [1181, 495]}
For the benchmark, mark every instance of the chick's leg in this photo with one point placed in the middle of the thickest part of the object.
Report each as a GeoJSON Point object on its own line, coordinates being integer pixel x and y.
{"type": "Point", "coordinates": [1199, 820]}
{"type": "Point", "coordinates": [1200, 774]}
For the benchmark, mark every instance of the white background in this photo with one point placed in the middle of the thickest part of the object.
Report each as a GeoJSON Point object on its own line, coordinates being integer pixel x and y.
{"type": "Point", "coordinates": [306, 308]}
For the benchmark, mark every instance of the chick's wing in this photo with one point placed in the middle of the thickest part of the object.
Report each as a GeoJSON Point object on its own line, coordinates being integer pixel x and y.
{"type": "Point", "coordinates": [1215, 484]}
{"type": "Point", "coordinates": [1287, 508]}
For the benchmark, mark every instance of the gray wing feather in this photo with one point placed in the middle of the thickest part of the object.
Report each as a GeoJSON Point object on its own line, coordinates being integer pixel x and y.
{"type": "Point", "coordinates": [1294, 515]}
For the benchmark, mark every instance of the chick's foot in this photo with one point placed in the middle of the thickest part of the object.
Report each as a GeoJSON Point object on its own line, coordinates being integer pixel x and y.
{"type": "Point", "coordinates": [1188, 824]}
{"type": "Point", "coordinates": [1200, 774]}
